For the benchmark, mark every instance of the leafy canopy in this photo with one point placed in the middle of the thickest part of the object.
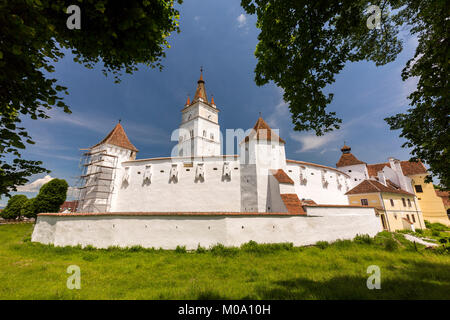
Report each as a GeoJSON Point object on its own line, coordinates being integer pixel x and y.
{"type": "Point", "coordinates": [13, 209]}
{"type": "Point", "coordinates": [50, 197]}
{"type": "Point", "coordinates": [304, 44]}
{"type": "Point", "coordinates": [117, 34]}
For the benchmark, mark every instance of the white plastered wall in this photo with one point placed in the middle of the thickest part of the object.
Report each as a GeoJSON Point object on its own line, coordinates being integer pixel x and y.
{"type": "Point", "coordinates": [167, 232]}
{"type": "Point", "coordinates": [333, 192]}
{"type": "Point", "coordinates": [187, 192]}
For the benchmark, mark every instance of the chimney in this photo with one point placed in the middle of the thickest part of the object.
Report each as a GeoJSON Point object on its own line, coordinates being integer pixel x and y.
{"type": "Point", "coordinates": [381, 178]}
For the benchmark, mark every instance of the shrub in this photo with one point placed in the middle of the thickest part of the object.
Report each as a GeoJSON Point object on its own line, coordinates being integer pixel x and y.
{"type": "Point", "coordinates": [200, 249]}
{"type": "Point", "coordinates": [136, 248]}
{"type": "Point", "coordinates": [322, 244]}
{"type": "Point", "coordinates": [51, 196]}
{"type": "Point", "coordinates": [29, 208]}
{"type": "Point", "coordinates": [254, 247]}
{"type": "Point", "coordinates": [436, 226]}
{"type": "Point", "coordinates": [14, 207]}
{"type": "Point", "coordinates": [180, 249]}
{"type": "Point", "coordinates": [221, 250]}
{"type": "Point", "coordinates": [419, 231]}
{"type": "Point", "coordinates": [439, 227]}
{"type": "Point", "coordinates": [342, 243]}
{"type": "Point", "coordinates": [442, 250]}
{"type": "Point", "coordinates": [435, 233]}
{"type": "Point", "coordinates": [390, 244]}
{"type": "Point", "coordinates": [363, 238]}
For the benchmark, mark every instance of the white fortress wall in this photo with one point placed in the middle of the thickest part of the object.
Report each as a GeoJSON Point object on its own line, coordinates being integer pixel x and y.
{"type": "Point", "coordinates": [176, 184]}
{"type": "Point", "coordinates": [168, 231]}
{"type": "Point", "coordinates": [344, 222]}
{"type": "Point", "coordinates": [321, 184]}
{"type": "Point", "coordinates": [357, 172]}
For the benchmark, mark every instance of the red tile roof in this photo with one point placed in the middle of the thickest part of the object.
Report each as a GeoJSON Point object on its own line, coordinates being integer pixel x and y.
{"type": "Point", "coordinates": [408, 168]}
{"type": "Point", "coordinates": [281, 176]}
{"type": "Point", "coordinates": [372, 186]}
{"type": "Point", "coordinates": [373, 169]}
{"type": "Point", "coordinates": [72, 205]}
{"type": "Point", "coordinates": [262, 131]}
{"type": "Point", "coordinates": [445, 197]}
{"type": "Point", "coordinates": [348, 159]}
{"type": "Point", "coordinates": [118, 137]}
{"type": "Point", "coordinates": [292, 203]}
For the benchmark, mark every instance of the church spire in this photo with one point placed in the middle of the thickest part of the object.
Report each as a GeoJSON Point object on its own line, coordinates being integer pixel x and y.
{"type": "Point", "coordinates": [200, 93]}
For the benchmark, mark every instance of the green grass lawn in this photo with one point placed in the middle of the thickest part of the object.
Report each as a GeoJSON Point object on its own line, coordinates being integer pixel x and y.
{"type": "Point", "coordinates": [337, 271]}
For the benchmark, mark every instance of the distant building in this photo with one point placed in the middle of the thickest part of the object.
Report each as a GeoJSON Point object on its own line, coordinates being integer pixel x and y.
{"type": "Point", "coordinates": [397, 208]}
{"type": "Point", "coordinates": [69, 206]}
{"type": "Point", "coordinates": [397, 175]}
{"type": "Point", "coordinates": [445, 195]}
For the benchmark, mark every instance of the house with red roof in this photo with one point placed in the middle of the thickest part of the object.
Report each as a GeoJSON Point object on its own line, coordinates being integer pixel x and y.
{"type": "Point", "coordinates": [401, 177]}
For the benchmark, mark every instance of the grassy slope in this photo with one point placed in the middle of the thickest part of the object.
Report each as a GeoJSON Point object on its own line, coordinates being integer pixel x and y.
{"type": "Point", "coordinates": [34, 271]}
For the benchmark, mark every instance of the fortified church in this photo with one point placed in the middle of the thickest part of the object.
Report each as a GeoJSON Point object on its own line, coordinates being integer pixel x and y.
{"type": "Point", "coordinates": [200, 178]}
{"type": "Point", "coordinates": [199, 196]}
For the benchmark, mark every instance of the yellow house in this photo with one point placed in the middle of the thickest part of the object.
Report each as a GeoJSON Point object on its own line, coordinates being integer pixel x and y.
{"type": "Point", "coordinates": [429, 202]}
{"type": "Point", "coordinates": [397, 208]}
{"type": "Point", "coordinates": [432, 206]}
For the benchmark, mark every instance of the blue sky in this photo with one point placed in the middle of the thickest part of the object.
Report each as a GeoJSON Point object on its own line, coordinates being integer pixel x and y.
{"type": "Point", "coordinates": [220, 37]}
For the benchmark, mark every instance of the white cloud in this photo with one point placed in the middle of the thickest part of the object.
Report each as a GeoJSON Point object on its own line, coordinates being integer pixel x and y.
{"type": "Point", "coordinates": [35, 185]}
{"type": "Point", "coordinates": [242, 20]}
{"type": "Point", "coordinates": [311, 142]}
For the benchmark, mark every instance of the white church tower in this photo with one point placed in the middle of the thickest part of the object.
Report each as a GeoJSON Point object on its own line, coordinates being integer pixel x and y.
{"type": "Point", "coordinates": [199, 133]}
{"type": "Point", "coordinates": [102, 169]}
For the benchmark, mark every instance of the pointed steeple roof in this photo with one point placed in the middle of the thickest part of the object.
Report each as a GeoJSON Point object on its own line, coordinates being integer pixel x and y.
{"type": "Point", "coordinates": [118, 137]}
{"type": "Point", "coordinates": [347, 158]}
{"type": "Point", "coordinates": [200, 93]}
{"type": "Point", "coordinates": [262, 131]}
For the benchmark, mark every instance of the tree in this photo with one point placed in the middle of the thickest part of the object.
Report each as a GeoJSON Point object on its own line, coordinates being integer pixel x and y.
{"type": "Point", "coordinates": [14, 206]}
{"type": "Point", "coordinates": [304, 44]}
{"type": "Point", "coordinates": [29, 209]}
{"type": "Point", "coordinates": [51, 196]}
{"type": "Point", "coordinates": [117, 34]}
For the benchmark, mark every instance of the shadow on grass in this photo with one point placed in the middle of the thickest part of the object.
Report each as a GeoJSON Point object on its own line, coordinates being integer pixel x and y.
{"type": "Point", "coordinates": [354, 288]}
